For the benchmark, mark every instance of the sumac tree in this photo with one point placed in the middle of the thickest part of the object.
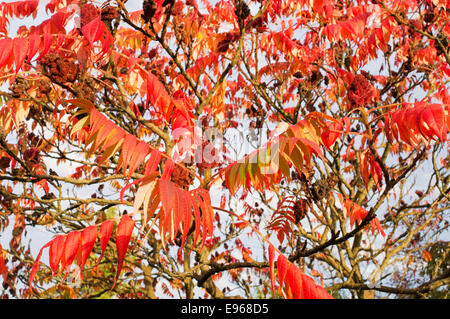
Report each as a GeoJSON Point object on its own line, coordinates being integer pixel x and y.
{"type": "Point", "coordinates": [232, 148]}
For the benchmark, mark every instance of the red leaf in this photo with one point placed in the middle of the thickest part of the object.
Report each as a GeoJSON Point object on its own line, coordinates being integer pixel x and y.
{"type": "Point", "coordinates": [106, 229]}
{"type": "Point", "coordinates": [308, 287]}
{"type": "Point", "coordinates": [153, 162]}
{"type": "Point", "coordinates": [96, 119]}
{"type": "Point", "coordinates": [178, 205]}
{"type": "Point", "coordinates": [431, 122]}
{"type": "Point", "coordinates": [388, 128]}
{"type": "Point", "coordinates": [6, 47]}
{"type": "Point", "coordinates": [71, 246]}
{"type": "Point", "coordinates": [168, 169]}
{"type": "Point", "coordinates": [20, 52]}
{"type": "Point", "coordinates": [204, 200]}
{"type": "Point", "coordinates": [331, 134]}
{"type": "Point", "coordinates": [88, 237]}
{"type": "Point", "coordinates": [294, 282]}
{"type": "Point", "coordinates": [48, 39]}
{"type": "Point", "coordinates": [33, 46]}
{"type": "Point", "coordinates": [186, 202]}
{"type": "Point", "coordinates": [73, 241]}
{"type": "Point", "coordinates": [107, 41]}
{"type": "Point", "coordinates": [44, 184]}
{"type": "Point", "coordinates": [272, 267]}
{"type": "Point", "coordinates": [36, 264]}
{"type": "Point", "coordinates": [357, 214]}
{"type": "Point", "coordinates": [128, 147]}
{"type": "Point", "coordinates": [282, 266]}
{"type": "Point", "coordinates": [364, 167]}
{"type": "Point", "coordinates": [312, 146]}
{"type": "Point", "coordinates": [3, 269]}
{"type": "Point", "coordinates": [167, 193]}
{"type": "Point", "coordinates": [298, 285]}
{"type": "Point", "coordinates": [375, 225]}
{"type": "Point", "coordinates": [20, 9]}
{"type": "Point", "coordinates": [421, 122]}
{"type": "Point", "coordinates": [59, 19]}
{"type": "Point", "coordinates": [60, 40]}
{"type": "Point", "coordinates": [146, 194]}
{"type": "Point", "coordinates": [157, 95]}
{"type": "Point", "coordinates": [347, 125]}
{"type": "Point", "coordinates": [376, 172]}
{"type": "Point", "coordinates": [93, 31]}
{"type": "Point", "coordinates": [56, 251]}
{"type": "Point", "coordinates": [123, 235]}
{"type": "Point", "coordinates": [140, 152]}
{"type": "Point", "coordinates": [313, 291]}
{"type": "Point", "coordinates": [196, 217]}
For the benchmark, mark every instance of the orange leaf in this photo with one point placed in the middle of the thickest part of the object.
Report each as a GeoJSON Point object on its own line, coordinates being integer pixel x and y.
{"type": "Point", "coordinates": [426, 256]}
{"type": "Point", "coordinates": [364, 167]}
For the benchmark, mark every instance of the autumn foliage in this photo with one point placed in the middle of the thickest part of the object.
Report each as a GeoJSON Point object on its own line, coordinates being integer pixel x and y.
{"type": "Point", "coordinates": [277, 148]}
